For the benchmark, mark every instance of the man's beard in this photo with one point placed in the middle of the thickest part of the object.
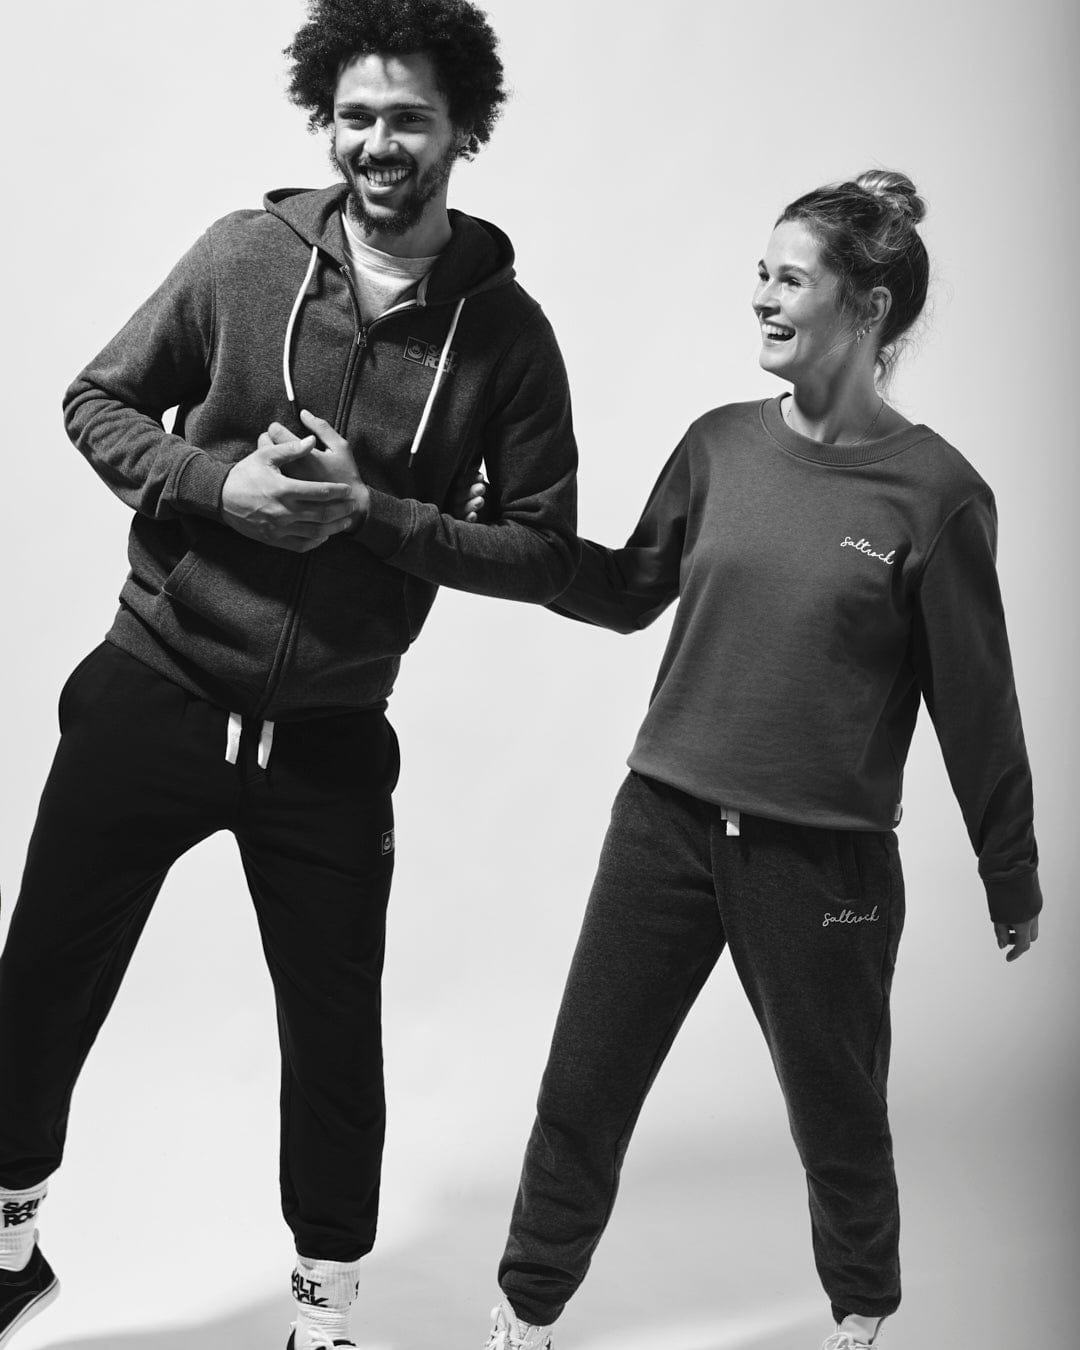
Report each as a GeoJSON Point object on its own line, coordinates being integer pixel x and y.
{"type": "Point", "coordinates": [400, 219]}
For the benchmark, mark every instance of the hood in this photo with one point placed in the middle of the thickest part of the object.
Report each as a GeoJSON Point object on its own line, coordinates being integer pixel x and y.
{"type": "Point", "coordinates": [478, 257]}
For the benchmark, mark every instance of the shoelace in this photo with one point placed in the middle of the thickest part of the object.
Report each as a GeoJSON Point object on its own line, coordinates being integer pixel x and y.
{"type": "Point", "coordinates": [319, 1340]}
{"type": "Point", "coordinates": [503, 1338]}
{"type": "Point", "coordinates": [844, 1340]}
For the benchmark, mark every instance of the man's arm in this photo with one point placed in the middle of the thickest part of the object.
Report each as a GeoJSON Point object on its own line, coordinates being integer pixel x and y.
{"type": "Point", "coordinates": [160, 358]}
{"type": "Point", "coordinates": [530, 552]}
{"type": "Point", "coordinates": [113, 410]}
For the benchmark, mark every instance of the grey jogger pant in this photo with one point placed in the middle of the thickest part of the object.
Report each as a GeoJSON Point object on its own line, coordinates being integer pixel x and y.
{"type": "Point", "coordinates": [812, 918]}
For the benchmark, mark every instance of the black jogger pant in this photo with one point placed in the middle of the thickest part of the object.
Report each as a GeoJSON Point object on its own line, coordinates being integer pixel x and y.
{"type": "Point", "coordinates": [140, 776]}
{"type": "Point", "coordinates": [812, 918]}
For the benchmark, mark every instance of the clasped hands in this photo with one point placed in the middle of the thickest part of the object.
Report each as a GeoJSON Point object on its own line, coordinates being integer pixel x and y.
{"type": "Point", "coordinates": [295, 492]}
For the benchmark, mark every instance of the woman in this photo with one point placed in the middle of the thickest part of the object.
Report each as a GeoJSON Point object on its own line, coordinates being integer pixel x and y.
{"type": "Point", "coordinates": [833, 564]}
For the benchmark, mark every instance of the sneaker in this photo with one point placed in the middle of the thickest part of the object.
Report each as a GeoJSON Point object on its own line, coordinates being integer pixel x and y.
{"type": "Point", "coordinates": [315, 1340]}
{"type": "Point", "coordinates": [852, 1340]}
{"type": "Point", "coordinates": [510, 1334]}
{"type": "Point", "coordinates": [23, 1293]}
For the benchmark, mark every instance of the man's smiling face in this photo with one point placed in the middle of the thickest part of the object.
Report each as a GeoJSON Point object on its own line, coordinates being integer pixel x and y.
{"type": "Point", "coordinates": [394, 143]}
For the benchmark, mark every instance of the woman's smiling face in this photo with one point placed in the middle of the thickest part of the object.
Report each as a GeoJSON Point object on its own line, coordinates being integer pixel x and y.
{"type": "Point", "coordinates": [804, 332]}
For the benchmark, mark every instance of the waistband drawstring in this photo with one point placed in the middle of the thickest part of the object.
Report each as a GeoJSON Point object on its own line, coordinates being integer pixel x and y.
{"type": "Point", "coordinates": [266, 741]}
{"type": "Point", "coordinates": [232, 740]}
{"type": "Point", "coordinates": [732, 817]}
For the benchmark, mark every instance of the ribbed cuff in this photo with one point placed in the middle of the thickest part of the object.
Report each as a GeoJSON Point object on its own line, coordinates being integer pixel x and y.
{"type": "Point", "coordinates": [198, 487]}
{"type": "Point", "coordinates": [388, 525]}
{"type": "Point", "coordinates": [1014, 899]}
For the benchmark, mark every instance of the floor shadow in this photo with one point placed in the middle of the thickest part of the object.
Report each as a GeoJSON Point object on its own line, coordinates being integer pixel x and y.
{"type": "Point", "coordinates": [692, 1261]}
{"type": "Point", "coordinates": [706, 1251]}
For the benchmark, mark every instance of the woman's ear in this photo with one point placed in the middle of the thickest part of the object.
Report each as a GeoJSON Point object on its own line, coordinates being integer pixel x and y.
{"type": "Point", "coordinates": [880, 302]}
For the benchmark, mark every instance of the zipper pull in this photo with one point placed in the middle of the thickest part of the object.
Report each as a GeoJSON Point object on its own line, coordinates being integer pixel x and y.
{"type": "Point", "coordinates": [361, 336]}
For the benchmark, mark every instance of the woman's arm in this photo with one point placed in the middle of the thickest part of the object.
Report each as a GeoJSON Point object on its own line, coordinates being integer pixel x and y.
{"type": "Point", "coordinates": [627, 588]}
{"type": "Point", "coordinates": [965, 672]}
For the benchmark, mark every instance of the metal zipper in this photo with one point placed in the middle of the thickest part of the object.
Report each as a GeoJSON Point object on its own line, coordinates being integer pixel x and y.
{"type": "Point", "coordinates": [293, 608]}
{"type": "Point", "coordinates": [356, 350]}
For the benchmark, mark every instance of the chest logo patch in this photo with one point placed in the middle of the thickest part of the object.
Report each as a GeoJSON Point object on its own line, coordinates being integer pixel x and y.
{"type": "Point", "coordinates": [422, 353]}
{"type": "Point", "coordinates": [864, 546]}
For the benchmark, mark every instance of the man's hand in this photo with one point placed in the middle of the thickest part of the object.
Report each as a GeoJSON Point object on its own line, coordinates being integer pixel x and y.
{"type": "Point", "coordinates": [330, 462]}
{"type": "Point", "coordinates": [258, 499]}
{"type": "Point", "coordinates": [1018, 936]}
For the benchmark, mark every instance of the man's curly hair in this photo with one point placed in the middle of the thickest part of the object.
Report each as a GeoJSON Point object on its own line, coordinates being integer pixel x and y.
{"type": "Point", "coordinates": [454, 33]}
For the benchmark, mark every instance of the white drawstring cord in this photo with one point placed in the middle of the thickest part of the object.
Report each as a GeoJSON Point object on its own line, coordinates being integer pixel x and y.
{"type": "Point", "coordinates": [292, 323]}
{"type": "Point", "coordinates": [232, 740]}
{"type": "Point", "coordinates": [443, 355]}
{"type": "Point", "coordinates": [440, 369]}
{"type": "Point", "coordinates": [266, 741]}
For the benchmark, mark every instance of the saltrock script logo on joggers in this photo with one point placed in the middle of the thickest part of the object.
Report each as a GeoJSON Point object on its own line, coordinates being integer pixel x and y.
{"type": "Point", "coordinates": [865, 546]}
{"type": "Point", "coordinates": [849, 916]}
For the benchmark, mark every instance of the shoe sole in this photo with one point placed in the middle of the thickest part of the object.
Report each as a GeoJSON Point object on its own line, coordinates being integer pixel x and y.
{"type": "Point", "coordinates": [39, 1304]}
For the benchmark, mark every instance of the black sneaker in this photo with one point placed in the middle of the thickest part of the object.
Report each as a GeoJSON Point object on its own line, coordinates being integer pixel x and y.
{"type": "Point", "coordinates": [24, 1293]}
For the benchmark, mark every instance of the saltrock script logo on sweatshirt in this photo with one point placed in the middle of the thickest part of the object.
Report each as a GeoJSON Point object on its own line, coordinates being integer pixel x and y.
{"type": "Point", "coordinates": [422, 353]}
{"type": "Point", "coordinates": [849, 916]}
{"type": "Point", "coordinates": [865, 546]}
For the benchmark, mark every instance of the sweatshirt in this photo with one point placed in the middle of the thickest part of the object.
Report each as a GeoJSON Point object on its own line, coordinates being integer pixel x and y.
{"type": "Point", "coordinates": [258, 320]}
{"type": "Point", "coordinates": [823, 591]}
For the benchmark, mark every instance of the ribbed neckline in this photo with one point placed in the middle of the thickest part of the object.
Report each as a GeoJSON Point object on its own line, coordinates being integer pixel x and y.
{"type": "Point", "coordinates": [865, 452]}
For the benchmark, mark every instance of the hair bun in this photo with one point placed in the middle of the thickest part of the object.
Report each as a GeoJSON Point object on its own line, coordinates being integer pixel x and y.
{"type": "Point", "coordinates": [896, 189]}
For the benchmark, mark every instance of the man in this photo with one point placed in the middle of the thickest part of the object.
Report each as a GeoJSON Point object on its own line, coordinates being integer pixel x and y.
{"type": "Point", "coordinates": [340, 362]}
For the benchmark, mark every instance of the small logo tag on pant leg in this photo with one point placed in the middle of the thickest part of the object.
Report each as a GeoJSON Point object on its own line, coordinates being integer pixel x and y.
{"type": "Point", "coordinates": [388, 841]}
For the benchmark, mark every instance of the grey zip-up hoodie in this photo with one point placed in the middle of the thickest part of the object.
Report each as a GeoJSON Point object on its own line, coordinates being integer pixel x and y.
{"type": "Point", "coordinates": [258, 320]}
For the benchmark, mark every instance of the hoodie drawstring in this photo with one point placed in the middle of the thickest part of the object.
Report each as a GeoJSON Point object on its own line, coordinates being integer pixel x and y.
{"type": "Point", "coordinates": [287, 353]}
{"type": "Point", "coordinates": [414, 449]}
{"type": "Point", "coordinates": [440, 369]}
{"type": "Point", "coordinates": [232, 740]}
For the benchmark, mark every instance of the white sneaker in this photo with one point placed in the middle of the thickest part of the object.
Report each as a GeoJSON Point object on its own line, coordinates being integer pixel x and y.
{"type": "Point", "coordinates": [314, 1340]}
{"type": "Point", "coordinates": [510, 1334]}
{"type": "Point", "coordinates": [852, 1338]}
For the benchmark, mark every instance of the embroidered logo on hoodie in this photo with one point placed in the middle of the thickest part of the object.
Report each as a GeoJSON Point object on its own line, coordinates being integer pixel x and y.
{"type": "Point", "coordinates": [422, 353]}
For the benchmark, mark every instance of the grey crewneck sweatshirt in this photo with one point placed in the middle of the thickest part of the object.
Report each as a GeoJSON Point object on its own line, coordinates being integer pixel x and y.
{"type": "Point", "coordinates": [823, 589]}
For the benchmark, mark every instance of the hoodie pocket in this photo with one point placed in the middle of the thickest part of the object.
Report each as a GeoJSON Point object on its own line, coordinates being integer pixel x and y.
{"type": "Point", "coordinates": [224, 607]}
{"type": "Point", "coordinates": [173, 584]}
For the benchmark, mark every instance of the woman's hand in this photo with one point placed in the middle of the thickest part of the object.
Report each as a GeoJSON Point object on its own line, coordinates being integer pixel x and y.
{"type": "Point", "coordinates": [1018, 936]}
{"type": "Point", "coordinates": [469, 503]}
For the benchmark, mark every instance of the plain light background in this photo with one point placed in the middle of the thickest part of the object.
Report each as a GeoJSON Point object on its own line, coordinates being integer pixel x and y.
{"type": "Point", "coordinates": [638, 168]}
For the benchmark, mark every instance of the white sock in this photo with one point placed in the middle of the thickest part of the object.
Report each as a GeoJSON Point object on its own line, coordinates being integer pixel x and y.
{"type": "Point", "coordinates": [866, 1328]}
{"type": "Point", "coordinates": [323, 1294]}
{"type": "Point", "coordinates": [18, 1211]}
